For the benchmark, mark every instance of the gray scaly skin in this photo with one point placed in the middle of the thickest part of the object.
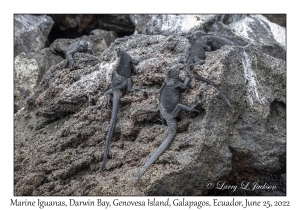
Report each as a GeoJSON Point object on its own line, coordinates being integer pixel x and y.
{"type": "Point", "coordinates": [120, 82]}
{"type": "Point", "coordinates": [202, 43]}
{"type": "Point", "coordinates": [196, 54]}
{"type": "Point", "coordinates": [169, 107]}
{"type": "Point", "coordinates": [216, 42]}
{"type": "Point", "coordinates": [79, 46]}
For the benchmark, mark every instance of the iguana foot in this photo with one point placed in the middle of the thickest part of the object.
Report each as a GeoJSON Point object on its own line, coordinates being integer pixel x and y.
{"type": "Point", "coordinates": [194, 106]}
{"type": "Point", "coordinates": [71, 64]}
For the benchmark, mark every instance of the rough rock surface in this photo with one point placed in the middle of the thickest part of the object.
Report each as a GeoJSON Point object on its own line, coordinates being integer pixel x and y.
{"type": "Point", "coordinates": [266, 36]}
{"type": "Point", "coordinates": [120, 23]}
{"type": "Point", "coordinates": [45, 59]}
{"type": "Point", "coordinates": [28, 72]}
{"type": "Point", "coordinates": [59, 146]}
{"type": "Point", "coordinates": [31, 32]}
{"type": "Point", "coordinates": [279, 19]}
{"type": "Point", "coordinates": [99, 39]}
{"type": "Point", "coordinates": [169, 24]}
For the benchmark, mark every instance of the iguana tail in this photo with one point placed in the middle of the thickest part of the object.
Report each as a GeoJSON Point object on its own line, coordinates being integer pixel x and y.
{"type": "Point", "coordinates": [172, 127]}
{"type": "Point", "coordinates": [113, 121]}
{"type": "Point", "coordinates": [214, 85]}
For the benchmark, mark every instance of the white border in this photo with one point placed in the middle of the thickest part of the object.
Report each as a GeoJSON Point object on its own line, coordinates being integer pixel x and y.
{"type": "Point", "coordinates": [153, 6]}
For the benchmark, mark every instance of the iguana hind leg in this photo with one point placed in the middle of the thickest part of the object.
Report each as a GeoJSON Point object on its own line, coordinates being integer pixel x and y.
{"type": "Point", "coordinates": [183, 107]}
{"type": "Point", "coordinates": [108, 95]}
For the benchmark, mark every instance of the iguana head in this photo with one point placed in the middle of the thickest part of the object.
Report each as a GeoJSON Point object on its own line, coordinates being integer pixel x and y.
{"type": "Point", "coordinates": [207, 40]}
{"type": "Point", "coordinates": [83, 45]}
{"type": "Point", "coordinates": [173, 72]}
{"type": "Point", "coordinates": [120, 51]}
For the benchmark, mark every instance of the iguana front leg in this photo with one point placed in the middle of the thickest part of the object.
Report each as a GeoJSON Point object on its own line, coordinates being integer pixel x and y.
{"type": "Point", "coordinates": [185, 84]}
{"type": "Point", "coordinates": [70, 58]}
{"type": "Point", "coordinates": [197, 62]}
{"type": "Point", "coordinates": [108, 95]}
{"type": "Point", "coordinates": [91, 51]}
{"type": "Point", "coordinates": [135, 61]}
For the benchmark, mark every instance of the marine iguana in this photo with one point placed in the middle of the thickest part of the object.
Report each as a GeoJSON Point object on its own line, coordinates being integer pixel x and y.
{"type": "Point", "coordinates": [79, 46]}
{"type": "Point", "coordinates": [120, 82]}
{"type": "Point", "coordinates": [216, 42]}
{"type": "Point", "coordinates": [196, 54]}
{"type": "Point", "coordinates": [169, 107]}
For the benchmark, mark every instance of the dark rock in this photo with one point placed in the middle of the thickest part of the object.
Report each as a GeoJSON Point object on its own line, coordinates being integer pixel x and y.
{"type": "Point", "coordinates": [230, 18]}
{"type": "Point", "coordinates": [72, 26]}
{"type": "Point", "coordinates": [62, 156]}
{"type": "Point", "coordinates": [121, 24]}
{"type": "Point", "coordinates": [82, 22]}
{"type": "Point", "coordinates": [279, 19]}
{"type": "Point", "coordinates": [31, 32]}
